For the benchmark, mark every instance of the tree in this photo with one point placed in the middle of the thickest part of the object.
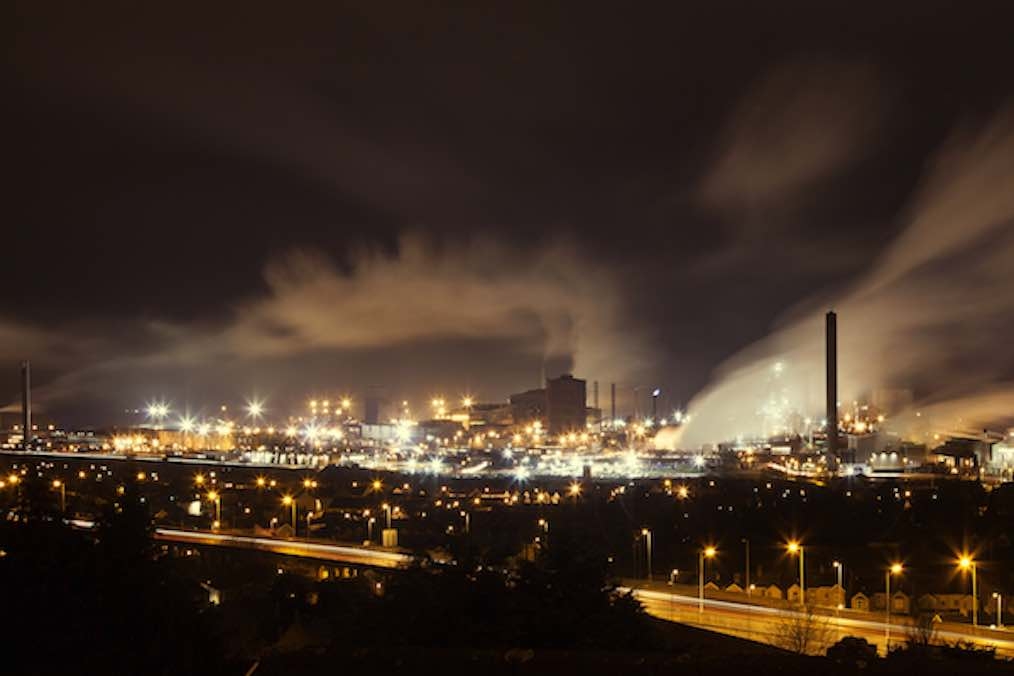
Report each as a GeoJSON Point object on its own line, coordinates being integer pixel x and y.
{"type": "Point", "coordinates": [804, 632]}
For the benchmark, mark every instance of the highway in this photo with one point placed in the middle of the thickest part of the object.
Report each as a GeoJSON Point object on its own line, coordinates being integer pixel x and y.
{"type": "Point", "coordinates": [362, 556]}
{"type": "Point", "coordinates": [767, 625]}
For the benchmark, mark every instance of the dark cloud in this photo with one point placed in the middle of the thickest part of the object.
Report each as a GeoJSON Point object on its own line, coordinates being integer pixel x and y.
{"type": "Point", "coordinates": [632, 196]}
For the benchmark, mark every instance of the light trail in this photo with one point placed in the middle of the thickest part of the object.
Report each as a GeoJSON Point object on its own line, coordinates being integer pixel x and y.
{"type": "Point", "coordinates": [298, 548]}
{"type": "Point", "coordinates": [767, 624]}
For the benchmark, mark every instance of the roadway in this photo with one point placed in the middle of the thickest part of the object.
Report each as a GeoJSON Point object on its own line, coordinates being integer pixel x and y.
{"type": "Point", "coordinates": [768, 625]}
{"type": "Point", "coordinates": [318, 551]}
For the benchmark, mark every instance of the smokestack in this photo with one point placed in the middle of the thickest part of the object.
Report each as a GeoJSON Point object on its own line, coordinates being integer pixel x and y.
{"type": "Point", "coordinates": [595, 399]}
{"type": "Point", "coordinates": [612, 403]}
{"type": "Point", "coordinates": [26, 404]}
{"type": "Point", "coordinates": [831, 335]}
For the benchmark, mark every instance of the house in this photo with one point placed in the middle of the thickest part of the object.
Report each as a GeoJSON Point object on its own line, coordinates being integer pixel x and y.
{"type": "Point", "coordinates": [711, 586]}
{"type": "Point", "coordinates": [794, 593]}
{"type": "Point", "coordinates": [861, 602]}
{"type": "Point", "coordinates": [900, 602]}
{"type": "Point", "coordinates": [771, 592]}
{"type": "Point", "coordinates": [734, 588]}
{"type": "Point", "coordinates": [830, 597]}
{"type": "Point", "coordinates": [946, 603]}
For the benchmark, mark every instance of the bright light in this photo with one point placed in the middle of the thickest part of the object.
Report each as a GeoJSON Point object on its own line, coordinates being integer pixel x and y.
{"type": "Point", "coordinates": [261, 481]}
{"type": "Point", "coordinates": [793, 547]}
{"type": "Point", "coordinates": [699, 460]}
{"type": "Point", "coordinates": [213, 495]}
{"type": "Point", "coordinates": [965, 562]}
{"type": "Point", "coordinates": [255, 408]}
{"type": "Point", "coordinates": [683, 492]}
{"type": "Point", "coordinates": [466, 402]}
{"type": "Point", "coordinates": [286, 500]}
{"type": "Point", "coordinates": [57, 483]}
{"type": "Point", "coordinates": [709, 552]}
{"type": "Point", "coordinates": [199, 479]}
{"type": "Point", "coordinates": [896, 569]}
{"type": "Point", "coordinates": [575, 489]}
{"type": "Point", "coordinates": [187, 424]}
{"type": "Point", "coordinates": [377, 484]}
{"type": "Point", "coordinates": [521, 473]}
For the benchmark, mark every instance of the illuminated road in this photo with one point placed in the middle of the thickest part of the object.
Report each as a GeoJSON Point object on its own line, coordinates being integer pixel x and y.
{"type": "Point", "coordinates": [362, 556]}
{"type": "Point", "coordinates": [765, 624]}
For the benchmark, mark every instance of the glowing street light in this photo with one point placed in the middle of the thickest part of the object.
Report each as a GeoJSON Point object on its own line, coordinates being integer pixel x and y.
{"type": "Point", "coordinates": [288, 501]}
{"type": "Point", "coordinates": [795, 548]}
{"type": "Point", "coordinates": [999, 609]}
{"type": "Point", "coordinates": [895, 569]}
{"type": "Point", "coordinates": [706, 553]}
{"type": "Point", "coordinates": [199, 479]}
{"type": "Point", "coordinates": [966, 563]}
{"type": "Point", "coordinates": [646, 534]}
{"type": "Point", "coordinates": [574, 490]}
{"type": "Point", "coordinates": [63, 494]}
{"type": "Point", "coordinates": [216, 497]}
{"type": "Point", "coordinates": [261, 482]}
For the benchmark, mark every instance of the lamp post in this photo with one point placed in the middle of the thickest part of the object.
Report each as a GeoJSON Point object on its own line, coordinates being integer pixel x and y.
{"type": "Point", "coordinates": [215, 497]}
{"type": "Point", "coordinates": [673, 574]}
{"type": "Point", "coordinates": [796, 548]}
{"type": "Point", "coordinates": [288, 501]}
{"type": "Point", "coordinates": [63, 494]}
{"type": "Point", "coordinates": [999, 609]}
{"type": "Point", "coordinates": [369, 528]}
{"type": "Point", "coordinates": [468, 521]}
{"type": "Point", "coordinates": [387, 508]}
{"type": "Point", "coordinates": [840, 569]}
{"type": "Point", "coordinates": [895, 569]}
{"type": "Point", "coordinates": [647, 543]}
{"type": "Point", "coordinates": [706, 553]}
{"type": "Point", "coordinates": [967, 563]}
{"type": "Point", "coordinates": [746, 579]}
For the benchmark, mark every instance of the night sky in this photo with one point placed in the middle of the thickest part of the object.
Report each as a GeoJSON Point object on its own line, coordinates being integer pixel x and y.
{"type": "Point", "coordinates": [409, 199]}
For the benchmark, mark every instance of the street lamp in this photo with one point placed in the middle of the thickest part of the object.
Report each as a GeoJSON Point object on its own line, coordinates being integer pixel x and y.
{"type": "Point", "coordinates": [968, 563]}
{"type": "Point", "coordinates": [673, 575]}
{"type": "Point", "coordinates": [840, 569]}
{"type": "Point", "coordinates": [999, 609]}
{"type": "Point", "coordinates": [387, 508]}
{"type": "Point", "coordinates": [468, 521]}
{"type": "Point", "coordinates": [289, 502]}
{"type": "Point", "coordinates": [63, 494]}
{"type": "Point", "coordinates": [369, 528]}
{"type": "Point", "coordinates": [215, 497]}
{"type": "Point", "coordinates": [746, 580]}
{"type": "Point", "coordinates": [795, 548]}
{"type": "Point", "coordinates": [895, 569]}
{"type": "Point", "coordinates": [706, 553]}
{"type": "Point", "coordinates": [647, 542]}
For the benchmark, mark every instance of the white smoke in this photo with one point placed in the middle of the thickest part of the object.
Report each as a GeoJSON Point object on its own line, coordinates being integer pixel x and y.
{"type": "Point", "coordinates": [933, 314]}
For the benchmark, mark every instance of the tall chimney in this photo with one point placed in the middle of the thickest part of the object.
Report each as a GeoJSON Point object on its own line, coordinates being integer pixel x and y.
{"type": "Point", "coordinates": [612, 403]}
{"type": "Point", "coordinates": [26, 404]}
{"type": "Point", "coordinates": [831, 335]}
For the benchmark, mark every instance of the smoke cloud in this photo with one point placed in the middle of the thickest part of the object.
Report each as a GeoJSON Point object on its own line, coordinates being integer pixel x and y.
{"type": "Point", "coordinates": [548, 304]}
{"type": "Point", "coordinates": [929, 316]}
